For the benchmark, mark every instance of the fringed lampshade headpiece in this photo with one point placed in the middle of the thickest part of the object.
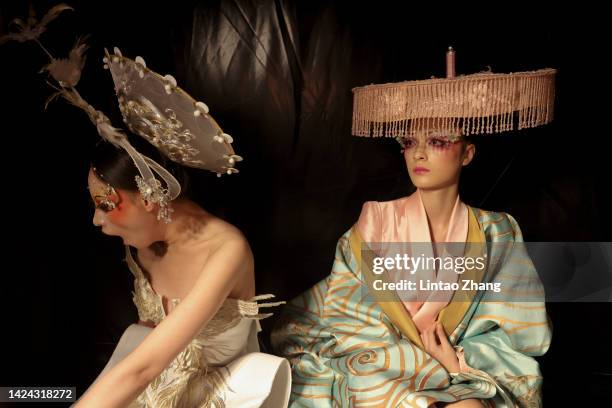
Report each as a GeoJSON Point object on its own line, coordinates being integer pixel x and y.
{"type": "Point", "coordinates": [482, 103]}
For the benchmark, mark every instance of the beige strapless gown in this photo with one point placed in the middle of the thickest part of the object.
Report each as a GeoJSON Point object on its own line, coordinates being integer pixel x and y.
{"type": "Point", "coordinates": [221, 367]}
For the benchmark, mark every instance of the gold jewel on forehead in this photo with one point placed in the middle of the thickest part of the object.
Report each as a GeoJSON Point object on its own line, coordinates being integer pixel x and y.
{"type": "Point", "coordinates": [108, 191]}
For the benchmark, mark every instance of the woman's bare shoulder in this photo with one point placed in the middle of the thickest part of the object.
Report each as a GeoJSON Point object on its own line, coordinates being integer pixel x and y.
{"type": "Point", "coordinates": [203, 228]}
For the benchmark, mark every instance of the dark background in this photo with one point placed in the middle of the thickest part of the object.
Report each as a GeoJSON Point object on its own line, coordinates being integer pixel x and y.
{"type": "Point", "coordinates": [277, 76]}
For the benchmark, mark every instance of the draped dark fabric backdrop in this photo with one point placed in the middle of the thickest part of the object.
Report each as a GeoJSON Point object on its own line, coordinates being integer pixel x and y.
{"type": "Point", "coordinates": [277, 76]}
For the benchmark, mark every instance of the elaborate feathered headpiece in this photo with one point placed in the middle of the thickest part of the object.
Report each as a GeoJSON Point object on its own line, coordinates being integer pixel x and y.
{"type": "Point", "coordinates": [152, 106]}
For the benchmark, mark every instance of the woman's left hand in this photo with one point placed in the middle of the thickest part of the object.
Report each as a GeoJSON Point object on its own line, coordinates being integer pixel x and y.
{"type": "Point", "coordinates": [437, 345]}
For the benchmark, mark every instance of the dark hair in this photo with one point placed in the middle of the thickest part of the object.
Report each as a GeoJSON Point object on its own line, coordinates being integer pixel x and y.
{"type": "Point", "coordinates": [114, 166]}
{"type": "Point", "coordinates": [465, 142]}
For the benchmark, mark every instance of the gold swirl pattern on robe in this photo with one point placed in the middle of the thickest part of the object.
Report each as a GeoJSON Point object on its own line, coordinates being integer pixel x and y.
{"type": "Point", "coordinates": [348, 349]}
